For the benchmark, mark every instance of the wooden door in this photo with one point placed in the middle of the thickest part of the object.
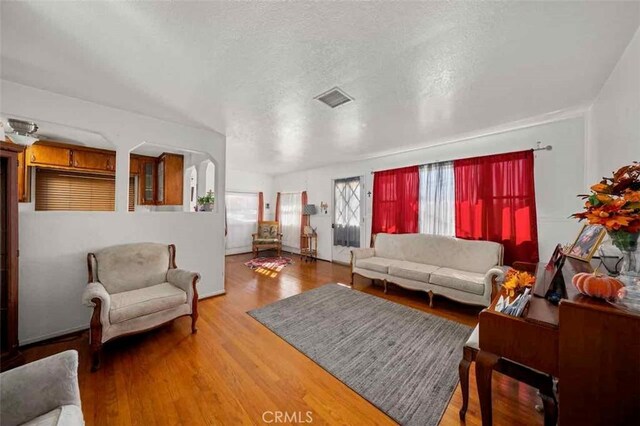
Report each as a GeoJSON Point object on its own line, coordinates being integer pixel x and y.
{"type": "Point", "coordinates": [173, 165]}
{"type": "Point", "coordinates": [48, 155]}
{"type": "Point", "coordinates": [94, 160]}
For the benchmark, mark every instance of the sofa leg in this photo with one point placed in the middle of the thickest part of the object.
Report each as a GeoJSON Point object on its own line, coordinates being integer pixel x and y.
{"type": "Point", "coordinates": [430, 293]}
{"type": "Point", "coordinates": [352, 279]}
{"type": "Point", "coordinates": [384, 283]}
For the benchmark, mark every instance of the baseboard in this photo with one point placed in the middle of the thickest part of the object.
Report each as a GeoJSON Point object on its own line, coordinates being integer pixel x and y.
{"type": "Point", "coordinates": [55, 334]}
{"type": "Point", "coordinates": [212, 294]}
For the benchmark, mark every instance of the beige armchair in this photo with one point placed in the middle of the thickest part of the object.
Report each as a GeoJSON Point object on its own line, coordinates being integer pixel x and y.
{"type": "Point", "coordinates": [268, 237]}
{"type": "Point", "coordinates": [134, 288]}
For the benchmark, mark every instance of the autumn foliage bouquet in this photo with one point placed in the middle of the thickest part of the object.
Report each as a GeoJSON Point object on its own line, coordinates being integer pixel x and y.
{"type": "Point", "coordinates": [516, 281]}
{"type": "Point", "coordinates": [615, 204]}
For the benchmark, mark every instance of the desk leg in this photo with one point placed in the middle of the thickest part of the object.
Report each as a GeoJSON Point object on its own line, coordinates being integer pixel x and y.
{"type": "Point", "coordinates": [485, 363]}
{"type": "Point", "coordinates": [549, 403]}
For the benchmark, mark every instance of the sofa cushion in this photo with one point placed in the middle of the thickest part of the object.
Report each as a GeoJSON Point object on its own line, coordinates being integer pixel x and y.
{"type": "Point", "coordinates": [132, 266]}
{"type": "Point", "coordinates": [469, 282]}
{"type": "Point", "coordinates": [144, 301]}
{"type": "Point", "coordinates": [411, 270]}
{"type": "Point", "coordinates": [377, 264]}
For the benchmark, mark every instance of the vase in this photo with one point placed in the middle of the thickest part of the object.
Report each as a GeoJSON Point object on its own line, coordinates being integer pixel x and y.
{"type": "Point", "coordinates": [627, 243]}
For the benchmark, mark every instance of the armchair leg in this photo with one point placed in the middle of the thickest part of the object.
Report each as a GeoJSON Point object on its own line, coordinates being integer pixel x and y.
{"type": "Point", "coordinates": [95, 335]}
{"type": "Point", "coordinates": [384, 283]}
{"type": "Point", "coordinates": [430, 293]}
{"type": "Point", "coordinates": [95, 357]}
{"type": "Point", "coordinates": [352, 279]}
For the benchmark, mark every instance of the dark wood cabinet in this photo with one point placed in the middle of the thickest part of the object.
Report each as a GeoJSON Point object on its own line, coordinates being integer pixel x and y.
{"type": "Point", "coordinates": [94, 160]}
{"type": "Point", "coordinates": [10, 355]}
{"type": "Point", "coordinates": [172, 166]}
{"type": "Point", "coordinates": [46, 155]}
{"type": "Point", "coordinates": [160, 180]}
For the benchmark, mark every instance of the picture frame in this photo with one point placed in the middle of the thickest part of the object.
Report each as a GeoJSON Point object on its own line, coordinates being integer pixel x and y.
{"type": "Point", "coordinates": [587, 242]}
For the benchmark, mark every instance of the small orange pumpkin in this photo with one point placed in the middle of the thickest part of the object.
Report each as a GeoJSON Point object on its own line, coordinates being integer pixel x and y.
{"type": "Point", "coordinates": [596, 285]}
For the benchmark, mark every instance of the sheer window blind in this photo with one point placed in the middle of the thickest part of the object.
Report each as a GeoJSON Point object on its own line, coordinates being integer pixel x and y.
{"type": "Point", "coordinates": [63, 190]}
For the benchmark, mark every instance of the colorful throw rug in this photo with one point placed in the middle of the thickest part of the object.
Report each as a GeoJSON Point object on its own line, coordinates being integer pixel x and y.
{"type": "Point", "coordinates": [274, 264]}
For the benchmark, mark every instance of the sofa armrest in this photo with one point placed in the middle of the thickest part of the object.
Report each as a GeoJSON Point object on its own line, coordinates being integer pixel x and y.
{"type": "Point", "coordinates": [36, 388]}
{"type": "Point", "coordinates": [362, 253]}
{"type": "Point", "coordinates": [491, 279]}
{"type": "Point", "coordinates": [96, 290]}
{"type": "Point", "coordinates": [184, 280]}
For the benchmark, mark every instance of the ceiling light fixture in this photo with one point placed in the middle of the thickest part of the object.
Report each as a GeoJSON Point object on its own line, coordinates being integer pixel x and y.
{"type": "Point", "coordinates": [22, 132]}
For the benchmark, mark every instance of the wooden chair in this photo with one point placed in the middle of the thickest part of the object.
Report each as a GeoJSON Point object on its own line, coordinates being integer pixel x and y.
{"type": "Point", "coordinates": [268, 237]}
{"type": "Point", "coordinates": [542, 382]}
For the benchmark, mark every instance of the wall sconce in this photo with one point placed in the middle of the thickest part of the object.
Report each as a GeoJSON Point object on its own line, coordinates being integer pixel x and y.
{"type": "Point", "coordinates": [324, 207]}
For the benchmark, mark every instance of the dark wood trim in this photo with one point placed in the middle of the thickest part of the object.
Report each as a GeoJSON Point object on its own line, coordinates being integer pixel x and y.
{"type": "Point", "coordinates": [172, 256]}
{"type": "Point", "coordinates": [95, 337]}
{"type": "Point", "coordinates": [194, 305]}
{"type": "Point", "coordinates": [90, 258]}
{"type": "Point", "coordinates": [11, 356]}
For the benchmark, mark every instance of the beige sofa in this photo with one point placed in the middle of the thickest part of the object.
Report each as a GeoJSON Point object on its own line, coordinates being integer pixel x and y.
{"type": "Point", "coordinates": [462, 270]}
{"type": "Point", "coordinates": [134, 288]}
{"type": "Point", "coordinates": [42, 393]}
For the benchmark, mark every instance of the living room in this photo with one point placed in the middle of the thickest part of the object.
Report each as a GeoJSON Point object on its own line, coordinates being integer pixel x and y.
{"type": "Point", "coordinates": [310, 212]}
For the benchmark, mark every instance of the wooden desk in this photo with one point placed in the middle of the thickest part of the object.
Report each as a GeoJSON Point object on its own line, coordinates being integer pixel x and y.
{"type": "Point", "coordinates": [592, 347]}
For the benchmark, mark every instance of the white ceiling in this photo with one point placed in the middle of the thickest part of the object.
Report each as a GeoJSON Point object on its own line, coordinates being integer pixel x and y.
{"type": "Point", "coordinates": [419, 72]}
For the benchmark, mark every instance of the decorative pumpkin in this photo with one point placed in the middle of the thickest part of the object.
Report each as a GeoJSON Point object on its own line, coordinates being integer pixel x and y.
{"type": "Point", "coordinates": [596, 285]}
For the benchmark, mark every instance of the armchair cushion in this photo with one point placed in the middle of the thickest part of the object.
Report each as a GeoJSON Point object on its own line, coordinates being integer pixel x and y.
{"type": "Point", "coordinates": [268, 231]}
{"type": "Point", "coordinates": [40, 387]}
{"type": "Point", "coordinates": [66, 415]}
{"type": "Point", "coordinates": [266, 240]}
{"type": "Point", "coordinates": [144, 301]}
{"type": "Point", "coordinates": [132, 266]}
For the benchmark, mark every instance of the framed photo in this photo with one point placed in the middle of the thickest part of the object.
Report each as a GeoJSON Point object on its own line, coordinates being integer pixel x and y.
{"type": "Point", "coordinates": [587, 242]}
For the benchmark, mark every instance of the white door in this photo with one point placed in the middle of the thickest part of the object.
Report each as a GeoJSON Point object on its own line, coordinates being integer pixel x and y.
{"type": "Point", "coordinates": [348, 217]}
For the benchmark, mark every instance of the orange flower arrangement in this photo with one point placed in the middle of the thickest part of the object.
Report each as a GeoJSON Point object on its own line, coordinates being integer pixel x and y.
{"type": "Point", "coordinates": [516, 281]}
{"type": "Point", "coordinates": [615, 202]}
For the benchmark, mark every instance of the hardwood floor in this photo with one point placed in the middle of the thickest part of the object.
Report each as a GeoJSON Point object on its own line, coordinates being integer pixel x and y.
{"type": "Point", "coordinates": [234, 369]}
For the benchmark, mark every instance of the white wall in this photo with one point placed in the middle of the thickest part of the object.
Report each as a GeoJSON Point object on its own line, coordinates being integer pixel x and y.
{"type": "Point", "coordinates": [613, 124]}
{"type": "Point", "coordinates": [54, 245]}
{"type": "Point", "coordinates": [559, 176]}
{"type": "Point", "coordinates": [239, 181]}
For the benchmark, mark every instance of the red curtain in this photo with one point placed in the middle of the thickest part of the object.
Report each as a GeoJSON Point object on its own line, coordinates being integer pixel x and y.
{"type": "Point", "coordinates": [277, 207]}
{"type": "Point", "coordinates": [395, 201]}
{"type": "Point", "coordinates": [260, 207]}
{"type": "Point", "coordinates": [495, 201]}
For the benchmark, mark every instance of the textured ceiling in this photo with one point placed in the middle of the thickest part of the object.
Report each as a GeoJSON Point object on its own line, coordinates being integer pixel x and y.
{"type": "Point", "coordinates": [419, 71]}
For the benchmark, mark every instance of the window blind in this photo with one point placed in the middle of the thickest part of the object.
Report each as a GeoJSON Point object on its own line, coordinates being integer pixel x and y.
{"type": "Point", "coordinates": [63, 190]}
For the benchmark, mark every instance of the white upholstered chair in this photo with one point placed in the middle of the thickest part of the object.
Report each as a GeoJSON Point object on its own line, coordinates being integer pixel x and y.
{"type": "Point", "coordinates": [134, 288]}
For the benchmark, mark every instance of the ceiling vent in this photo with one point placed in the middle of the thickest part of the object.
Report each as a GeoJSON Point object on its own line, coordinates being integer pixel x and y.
{"type": "Point", "coordinates": [334, 97]}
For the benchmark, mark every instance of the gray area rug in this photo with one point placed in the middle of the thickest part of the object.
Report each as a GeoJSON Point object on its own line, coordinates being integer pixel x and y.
{"type": "Point", "coordinates": [403, 361]}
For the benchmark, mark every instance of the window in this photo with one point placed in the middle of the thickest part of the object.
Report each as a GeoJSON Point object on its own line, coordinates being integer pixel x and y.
{"type": "Point", "coordinates": [242, 220]}
{"type": "Point", "coordinates": [290, 216]}
{"type": "Point", "coordinates": [346, 229]}
{"type": "Point", "coordinates": [64, 190]}
{"type": "Point", "coordinates": [437, 199]}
